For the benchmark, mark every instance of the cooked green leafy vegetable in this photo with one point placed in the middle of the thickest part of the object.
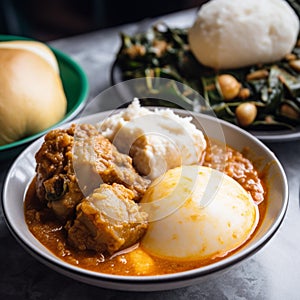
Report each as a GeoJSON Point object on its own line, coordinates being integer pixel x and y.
{"type": "Point", "coordinates": [164, 52]}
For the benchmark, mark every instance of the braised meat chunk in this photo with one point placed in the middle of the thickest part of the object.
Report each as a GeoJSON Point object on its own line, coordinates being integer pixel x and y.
{"type": "Point", "coordinates": [72, 162]}
{"type": "Point", "coordinates": [56, 183]}
{"type": "Point", "coordinates": [96, 161]}
{"type": "Point", "coordinates": [107, 221]}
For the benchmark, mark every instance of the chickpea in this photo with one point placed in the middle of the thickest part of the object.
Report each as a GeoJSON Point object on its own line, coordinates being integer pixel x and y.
{"type": "Point", "coordinates": [269, 119]}
{"type": "Point", "coordinates": [259, 74]}
{"type": "Point", "coordinates": [295, 64]}
{"type": "Point", "coordinates": [246, 113]}
{"type": "Point", "coordinates": [229, 86]}
{"type": "Point", "coordinates": [160, 47]}
{"type": "Point", "coordinates": [290, 57]}
{"type": "Point", "coordinates": [289, 111]}
{"type": "Point", "coordinates": [135, 50]}
{"type": "Point", "coordinates": [244, 93]}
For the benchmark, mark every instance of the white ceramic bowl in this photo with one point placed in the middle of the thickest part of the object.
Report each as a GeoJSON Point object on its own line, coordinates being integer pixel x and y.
{"type": "Point", "coordinates": [23, 169]}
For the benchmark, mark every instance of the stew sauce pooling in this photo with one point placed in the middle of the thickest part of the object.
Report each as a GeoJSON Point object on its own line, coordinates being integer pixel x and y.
{"type": "Point", "coordinates": [45, 226]}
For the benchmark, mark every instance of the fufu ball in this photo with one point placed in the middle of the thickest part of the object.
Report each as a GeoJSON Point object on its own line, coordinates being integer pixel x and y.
{"type": "Point", "coordinates": [197, 213]}
{"type": "Point", "coordinates": [233, 34]}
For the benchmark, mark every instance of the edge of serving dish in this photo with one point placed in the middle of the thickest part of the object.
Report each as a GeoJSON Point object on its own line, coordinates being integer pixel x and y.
{"type": "Point", "coordinates": [22, 171]}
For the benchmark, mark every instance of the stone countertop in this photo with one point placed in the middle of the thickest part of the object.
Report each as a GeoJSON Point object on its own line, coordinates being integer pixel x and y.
{"type": "Point", "coordinates": [272, 273]}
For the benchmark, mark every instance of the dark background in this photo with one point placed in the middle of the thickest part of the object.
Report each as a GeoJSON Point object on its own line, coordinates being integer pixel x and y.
{"type": "Point", "coordinates": [52, 19]}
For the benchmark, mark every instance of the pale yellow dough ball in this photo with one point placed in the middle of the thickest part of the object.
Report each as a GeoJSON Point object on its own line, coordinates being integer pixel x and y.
{"type": "Point", "coordinates": [32, 97]}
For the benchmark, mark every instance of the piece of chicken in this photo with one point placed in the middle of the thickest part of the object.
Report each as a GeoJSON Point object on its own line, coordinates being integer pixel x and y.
{"type": "Point", "coordinates": [96, 160]}
{"type": "Point", "coordinates": [107, 221]}
{"type": "Point", "coordinates": [72, 162]}
{"type": "Point", "coordinates": [56, 183]}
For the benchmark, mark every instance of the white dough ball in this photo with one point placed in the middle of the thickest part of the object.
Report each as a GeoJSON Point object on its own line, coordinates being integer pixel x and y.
{"type": "Point", "coordinates": [32, 96]}
{"type": "Point", "coordinates": [197, 213]}
{"type": "Point", "coordinates": [233, 34]}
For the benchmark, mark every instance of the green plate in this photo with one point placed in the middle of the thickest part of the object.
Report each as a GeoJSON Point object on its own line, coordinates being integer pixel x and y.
{"type": "Point", "coordinates": [76, 88]}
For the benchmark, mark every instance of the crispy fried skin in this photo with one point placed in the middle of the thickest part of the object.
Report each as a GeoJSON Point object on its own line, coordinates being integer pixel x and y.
{"type": "Point", "coordinates": [72, 162]}
{"type": "Point", "coordinates": [107, 221]}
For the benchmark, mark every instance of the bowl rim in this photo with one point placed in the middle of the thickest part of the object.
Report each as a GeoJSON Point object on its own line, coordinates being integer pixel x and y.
{"type": "Point", "coordinates": [82, 97]}
{"type": "Point", "coordinates": [149, 280]}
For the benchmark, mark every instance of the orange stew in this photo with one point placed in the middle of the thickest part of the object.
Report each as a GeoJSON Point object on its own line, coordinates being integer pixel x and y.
{"type": "Point", "coordinates": [50, 232]}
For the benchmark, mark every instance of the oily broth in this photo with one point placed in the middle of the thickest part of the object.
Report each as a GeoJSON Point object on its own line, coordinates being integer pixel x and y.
{"type": "Point", "coordinates": [48, 230]}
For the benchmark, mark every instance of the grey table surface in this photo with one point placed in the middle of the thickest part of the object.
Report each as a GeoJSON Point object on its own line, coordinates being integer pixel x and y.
{"type": "Point", "coordinates": [272, 273]}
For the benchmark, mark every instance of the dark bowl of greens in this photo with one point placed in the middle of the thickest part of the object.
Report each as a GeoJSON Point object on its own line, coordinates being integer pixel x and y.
{"type": "Point", "coordinates": [274, 88]}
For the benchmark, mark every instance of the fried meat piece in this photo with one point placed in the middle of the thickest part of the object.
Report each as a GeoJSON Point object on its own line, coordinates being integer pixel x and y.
{"type": "Point", "coordinates": [107, 221]}
{"type": "Point", "coordinates": [97, 160]}
{"type": "Point", "coordinates": [72, 162]}
{"type": "Point", "coordinates": [56, 182]}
